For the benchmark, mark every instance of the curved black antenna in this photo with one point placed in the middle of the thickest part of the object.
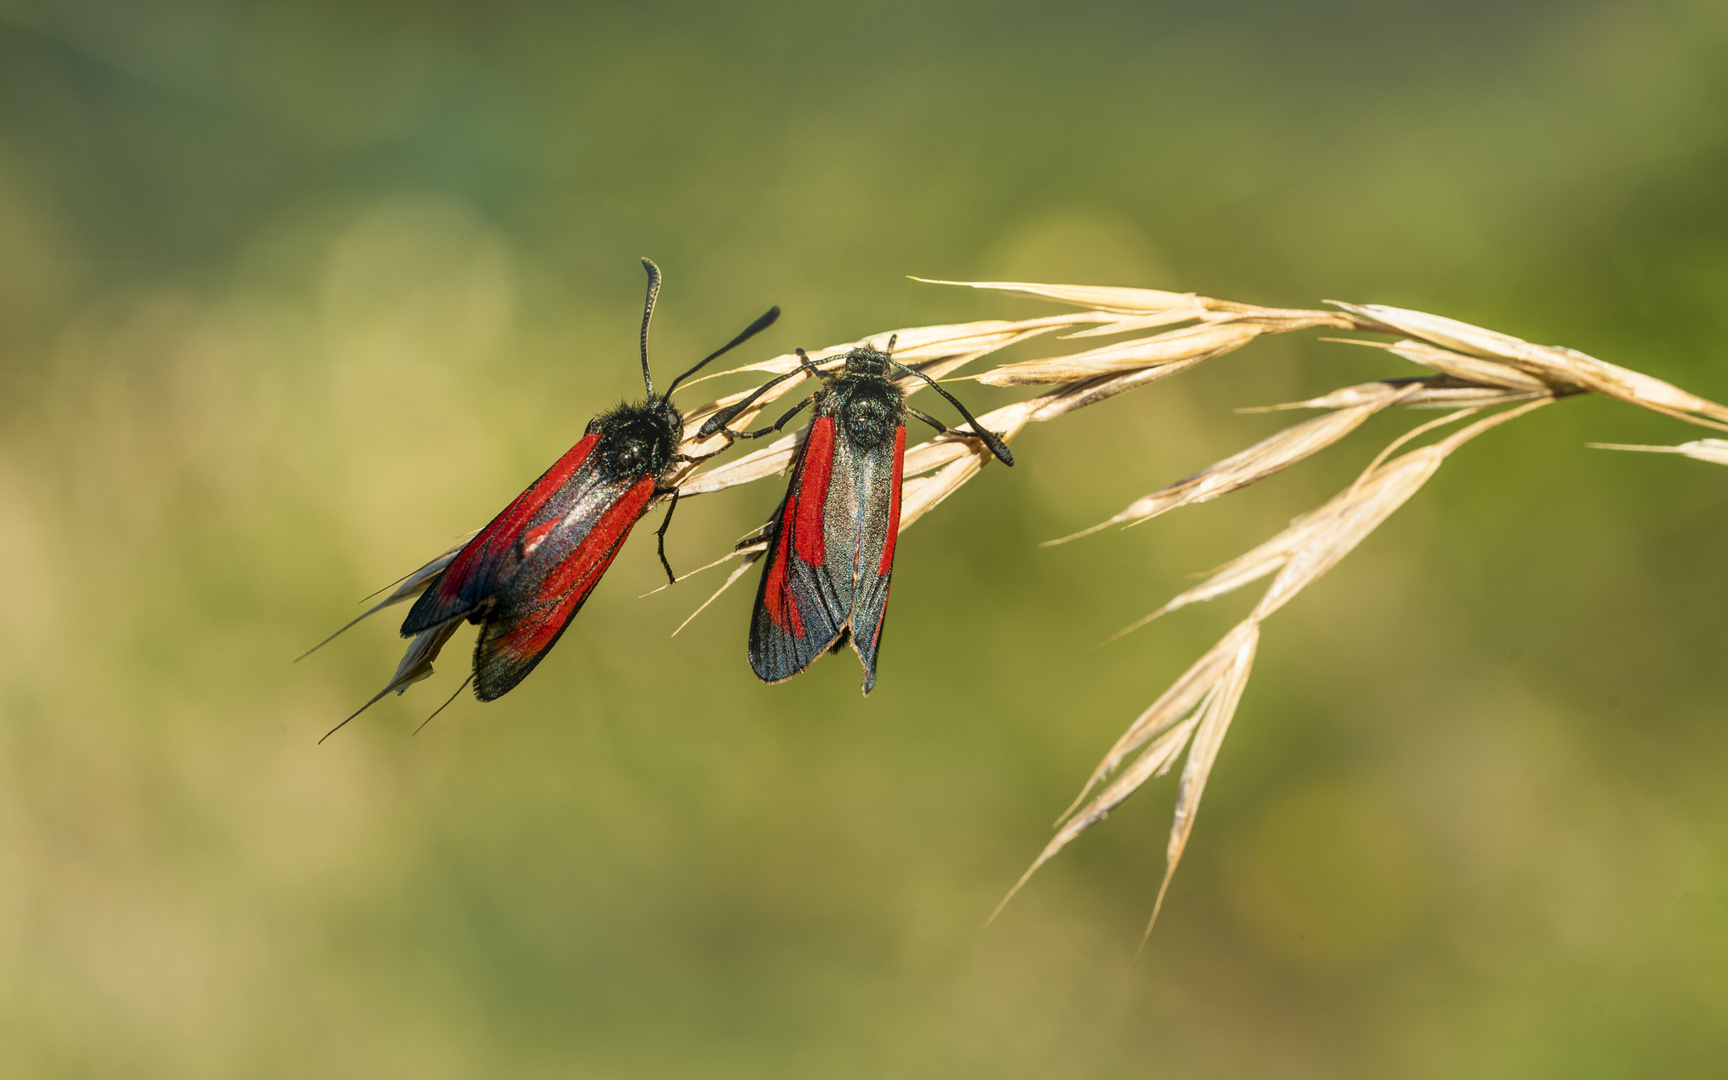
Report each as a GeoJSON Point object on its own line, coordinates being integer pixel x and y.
{"type": "Point", "coordinates": [990, 438]}
{"type": "Point", "coordinates": [648, 313]}
{"type": "Point", "coordinates": [889, 352]}
{"type": "Point", "coordinates": [763, 322]}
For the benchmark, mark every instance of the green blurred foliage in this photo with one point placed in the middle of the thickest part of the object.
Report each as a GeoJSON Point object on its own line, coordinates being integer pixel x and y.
{"type": "Point", "coordinates": [292, 293]}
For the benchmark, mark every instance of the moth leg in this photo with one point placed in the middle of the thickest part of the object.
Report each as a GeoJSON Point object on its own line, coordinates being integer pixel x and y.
{"type": "Point", "coordinates": [808, 365]}
{"type": "Point", "coordinates": [700, 458]}
{"type": "Point", "coordinates": [770, 429]}
{"type": "Point", "coordinates": [941, 428]}
{"type": "Point", "coordinates": [671, 578]}
{"type": "Point", "coordinates": [990, 438]}
{"type": "Point", "coordinates": [778, 424]}
{"type": "Point", "coordinates": [717, 423]}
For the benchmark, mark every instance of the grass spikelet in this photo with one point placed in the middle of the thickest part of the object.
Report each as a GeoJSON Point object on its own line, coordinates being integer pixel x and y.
{"type": "Point", "coordinates": [1714, 451]}
{"type": "Point", "coordinates": [1554, 364]}
{"type": "Point", "coordinates": [1208, 738]}
{"type": "Point", "coordinates": [1155, 761]}
{"type": "Point", "coordinates": [1468, 369]}
{"type": "Point", "coordinates": [1188, 691]}
{"type": "Point", "coordinates": [1432, 392]}
{"type": "Point", "coordinates": [1104, 298]}
{"type": "Point", "coordinates": [405, 589]}
{"type": "Point", "coordinates": [416, 664]}
{"type": "Point", "coordinates": [1259, 461]}
{"type": "Point", "coordinates": [1300, 555]}
{"type": "Point", "coordinates": [1193, 344]}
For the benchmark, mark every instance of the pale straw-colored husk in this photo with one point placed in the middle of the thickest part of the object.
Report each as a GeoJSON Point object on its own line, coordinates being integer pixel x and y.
{"type": "Point", "coordinates": [1714, 451]}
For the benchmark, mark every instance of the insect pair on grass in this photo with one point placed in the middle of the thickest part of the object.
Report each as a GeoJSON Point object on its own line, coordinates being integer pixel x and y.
{"type": "Point", "coordinates": [525, 575]}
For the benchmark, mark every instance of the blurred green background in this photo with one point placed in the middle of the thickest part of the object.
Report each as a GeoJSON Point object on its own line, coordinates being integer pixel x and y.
{"type": "Point", "coordinates": [293, 293]}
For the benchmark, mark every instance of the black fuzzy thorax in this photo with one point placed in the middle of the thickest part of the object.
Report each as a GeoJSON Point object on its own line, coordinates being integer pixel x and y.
{"type": "Point", "coordinates": [866, 405]}
{"type": "Point", "coordinates": [637, 440]}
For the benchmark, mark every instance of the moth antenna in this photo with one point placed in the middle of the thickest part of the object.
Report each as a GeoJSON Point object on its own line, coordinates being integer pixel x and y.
{"type": "Point", "coordinates": [647, 314]}
{"type": "Point", "coordinates": [763, 322]}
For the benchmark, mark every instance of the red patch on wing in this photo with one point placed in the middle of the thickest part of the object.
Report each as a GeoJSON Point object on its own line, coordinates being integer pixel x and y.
{"type": "Point", "coordinates": [570, 582]}
{"type": "Point", "coordinates": [774, 590]}
{"type": "Point", "coordinates": [887, 563]}
{"type": "Point", "coordinates": [802, 525]}
{"type": "Point", "coordinates": [817, 471]}
{"type": "Point", "coordinates": [513, 520]}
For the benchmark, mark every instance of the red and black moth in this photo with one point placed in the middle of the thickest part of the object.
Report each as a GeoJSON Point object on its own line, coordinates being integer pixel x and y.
{"type": "Point", "coordinates": [830, 554]}
{"type": "Point", "coordinates": [526, 574]}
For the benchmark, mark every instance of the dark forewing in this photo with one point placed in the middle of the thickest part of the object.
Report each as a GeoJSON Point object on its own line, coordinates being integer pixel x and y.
{"type": "Point", "coordinates": [564, 558]}
{"type": "Point", "coordinates": [802, 604]}
{"type": "Point", "coordinates": [474, 575]}
{"type": "Point", "coordinates": [877, 517]}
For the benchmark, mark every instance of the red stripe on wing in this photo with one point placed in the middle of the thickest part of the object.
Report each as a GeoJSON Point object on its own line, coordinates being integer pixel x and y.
{"type": "Point", "coordinates": [803, 522]}
{"type": "Point", "coordinates": [818, 470]}
{"type": "Point", "coordinates": [887, 563]}
{"type": "Point", "coordinates": [781, 609]}
{"type": "Point", "coordinates": [495, 538]}
{"type": "Point", "coordinates": [568, 585]}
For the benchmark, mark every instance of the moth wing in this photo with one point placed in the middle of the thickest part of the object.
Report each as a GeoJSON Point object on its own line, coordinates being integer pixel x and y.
{"type": "Point", "coordinates": [474, 575]}
{"type": "Point", "coordinates": [802, 603]}
{"type": "Point", "coordinates": [877, 518]}
{"type": "Point", "coordinates": [563, 559]}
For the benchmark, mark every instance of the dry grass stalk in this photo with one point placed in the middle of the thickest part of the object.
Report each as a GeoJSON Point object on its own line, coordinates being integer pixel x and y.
{"type": "Point", "coordinates": [1431, 392]}
{"type": "Point", "coordinates": [405, 589]}
{"type": "Point", "coordinates": [1714, 451]}
{"type": "Point", "coordinates": [1555, 365]}
{"type": "Point", "coordinates": [1256, 463]}
{"type": "Point", "coordinates": [1467, 369]}
{"type": "Point", "coordinates": [1215, 719]}
{"type": "Point", "coordinates": [1191, 344]}
{"type": "Point", "coordinates": [1213, 686]}
{"type": "Point", "coordinates": [1475, 369]}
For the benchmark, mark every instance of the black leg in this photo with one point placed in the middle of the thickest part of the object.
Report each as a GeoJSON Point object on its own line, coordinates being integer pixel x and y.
{"type": "Point", "coordinates": [700, 458]}
{"type": "Point", "coordinates": [770, 429]}
{"type": "Point", "coordinates": [805, 363]}
{"type": "Point", "coordinates": [671, 578]}
{"type": "Point", "coordinates": [717, 423]}
{"type": "Point", "coordinates": [778, 424]}
{"type": "Point", "coordinates": [990, 438]}
{"type": "Point", "coordinates": [941, 428]}
{"type": "Point", "coordinates": [719, 420]}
